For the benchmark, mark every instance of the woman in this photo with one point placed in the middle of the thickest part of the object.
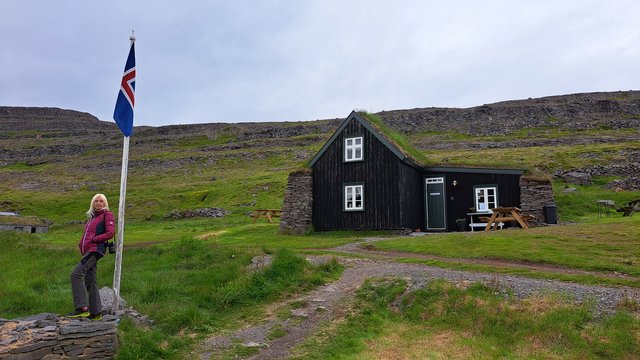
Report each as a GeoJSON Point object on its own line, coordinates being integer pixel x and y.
{"type": "Point", "coordinates": [84, 285]}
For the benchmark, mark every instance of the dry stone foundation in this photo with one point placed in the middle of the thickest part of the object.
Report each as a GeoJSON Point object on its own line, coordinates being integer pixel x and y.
{"type": "Point", "coordinates": [297, 210]}
{"type": "Point", "coordinates": [534, 196]}
{"type": "Point", "coordinates": [46, 336]}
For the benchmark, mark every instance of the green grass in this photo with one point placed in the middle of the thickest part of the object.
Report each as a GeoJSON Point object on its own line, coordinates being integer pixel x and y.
{"type": "Point", "coordinates": [195, 142]}
{"type": "Point", "coordinates": [190, 277]}
{"type": "Point", "coordinates": [446, 321]}
{"type": "Point", "coordinates": [547, 158]}
{"type": "Point", "coordinates": [548, 132]}
{"type": "Point", "coordinates": [581, 205]}
{"type": "Point", "coordinates": [266, 236]}
{"type": "Point", "coordinates": [609, 245]}
{"type": "Point", "coordinates": [18, 167]}
{"type": "Point", "coordinates": [189, 287]}
{"type": "Point", "coordinates": [398, 139]}
{"type": "Point", "coordinates": [34, 276]}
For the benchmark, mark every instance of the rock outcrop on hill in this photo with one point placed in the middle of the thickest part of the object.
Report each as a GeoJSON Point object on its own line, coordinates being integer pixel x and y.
{"type": "Point", "coordinates": [47, 136]}
{"type": "Point", "coordinates": [45, 120]}
{"type": "Point", "coordinates": [607, 110]}
{"type": "Point", "coordinates": [610, 110]}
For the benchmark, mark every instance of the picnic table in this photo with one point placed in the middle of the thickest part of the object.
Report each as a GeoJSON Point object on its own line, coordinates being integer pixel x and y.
{"type": "Point", "coordinates": [634, 205]}
{"type": "Point", "coordinates": [506, 214]}
{"type": "Point", "coordinates": [266, 213]}
{"type": "Point", "coordinates": [480, 219]}
{"type": "Point", "coordinates": [604, 207]}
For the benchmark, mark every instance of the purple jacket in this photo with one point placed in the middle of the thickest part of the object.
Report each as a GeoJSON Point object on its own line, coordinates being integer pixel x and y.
{"type": "Point", "coordinates": [90, 242]}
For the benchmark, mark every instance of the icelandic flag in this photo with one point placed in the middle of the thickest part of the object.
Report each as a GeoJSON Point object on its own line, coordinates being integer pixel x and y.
{"type": "Point", "coordinates": [123, 114]}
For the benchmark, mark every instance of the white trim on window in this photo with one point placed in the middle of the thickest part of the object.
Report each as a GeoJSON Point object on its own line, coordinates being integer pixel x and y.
{"type": "Point", "coordinates": [353, 197]}
{"type": "Point", "coordinates": [486, 198]}
{"type": "Point", "coordinates": [353, 149]}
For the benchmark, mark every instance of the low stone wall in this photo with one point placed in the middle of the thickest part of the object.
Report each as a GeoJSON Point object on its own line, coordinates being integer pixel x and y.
{"type": "Point", "coordinates": [534, 196]}
{"type": "Point", "coordinates": [47, 336]}
{"type": "Point", "coordinates": [297, 210]}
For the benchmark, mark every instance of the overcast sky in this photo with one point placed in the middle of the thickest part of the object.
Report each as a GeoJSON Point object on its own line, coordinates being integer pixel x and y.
{"type": "Point", "coordinates": [238, 60]}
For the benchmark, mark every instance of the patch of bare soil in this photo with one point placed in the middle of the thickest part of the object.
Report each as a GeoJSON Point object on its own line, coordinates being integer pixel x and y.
{"type": "Point", "coordinates": [330, 302]}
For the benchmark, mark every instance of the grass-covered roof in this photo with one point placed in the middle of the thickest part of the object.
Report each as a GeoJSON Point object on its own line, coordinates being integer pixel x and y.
{"type": "Point", "coordinates": [22, 220]}
{"type": "Point", "coordinates": [396, 139]}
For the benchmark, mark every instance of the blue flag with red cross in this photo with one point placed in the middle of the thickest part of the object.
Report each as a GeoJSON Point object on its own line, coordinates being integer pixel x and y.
{"type": "Point", "coordinates": [123, 114]}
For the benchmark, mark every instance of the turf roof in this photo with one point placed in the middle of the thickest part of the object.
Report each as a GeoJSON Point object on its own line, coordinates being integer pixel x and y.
{"type": "Point", "coordinates": [22, 221]}
{"type": "Point", "coordinates": [395, 141]}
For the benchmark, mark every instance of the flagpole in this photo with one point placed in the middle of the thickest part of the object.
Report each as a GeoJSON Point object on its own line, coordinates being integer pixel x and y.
{"type": "Point", "coordinates": [120, 238]}
{"type": "Point", "coordinates": [121, 207]}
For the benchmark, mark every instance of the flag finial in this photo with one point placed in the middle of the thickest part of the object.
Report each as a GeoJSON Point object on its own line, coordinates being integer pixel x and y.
{"type": "Point", "coordinates": [132, 37]}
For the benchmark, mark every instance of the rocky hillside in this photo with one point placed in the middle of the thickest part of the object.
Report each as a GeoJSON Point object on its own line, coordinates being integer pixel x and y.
{"type": "Point", "coordinates": [32, 134]}
{"type": "Point", "coordinates": [611, 110]}
{"type": "Point", "coordinates": [46, 120]}
{"type": "Point", "coordinates": [50, 150]}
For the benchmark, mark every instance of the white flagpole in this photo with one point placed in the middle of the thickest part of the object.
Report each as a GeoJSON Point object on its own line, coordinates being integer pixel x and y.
{"type": "Point", "coordinates": [120, 239]}
{"type": "Point", "coordinates": [121, 206]}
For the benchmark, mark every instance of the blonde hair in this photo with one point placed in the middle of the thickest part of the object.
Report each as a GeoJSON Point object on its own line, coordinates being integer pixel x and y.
{"type": "Point", "coordinates": [92, 210]}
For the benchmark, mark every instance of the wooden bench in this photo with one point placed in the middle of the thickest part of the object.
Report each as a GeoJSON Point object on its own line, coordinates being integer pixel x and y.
{"type": "Point", "coordinates": [266, 213]}
{"type": "Point", "coordinates": [528, 218]}
{"type": "Point", "coordinates": [482, 217]}
{"type": "Point", "coordinates": [506, 214]}
{"type": "Point", "coordinates": [634, 205]}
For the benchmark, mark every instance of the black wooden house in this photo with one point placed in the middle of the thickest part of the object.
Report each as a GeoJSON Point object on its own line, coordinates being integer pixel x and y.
{"type": "Point", "coordinates": [363, 179]}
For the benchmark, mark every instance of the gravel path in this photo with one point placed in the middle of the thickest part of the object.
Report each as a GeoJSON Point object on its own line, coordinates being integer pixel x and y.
{"type": "Point", "coordinates": [364, 248]}
{"type": "Point", "coordinates": [327, 302]}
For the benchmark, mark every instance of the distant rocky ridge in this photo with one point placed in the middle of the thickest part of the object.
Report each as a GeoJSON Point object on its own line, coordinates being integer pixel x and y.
{"type": "Point", "coordinates": [614, 110]}
{"type": "Point", "coordinates": [35, 136]}
{"type": "Point", "coordinates": [46, 119]}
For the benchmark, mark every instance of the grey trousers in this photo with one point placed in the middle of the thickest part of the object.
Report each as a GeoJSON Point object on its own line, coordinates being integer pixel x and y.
{"type": "Point", "coordinates": [84, 284]}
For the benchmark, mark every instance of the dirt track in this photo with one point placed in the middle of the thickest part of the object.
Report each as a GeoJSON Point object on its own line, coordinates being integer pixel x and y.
{"type": "Point", "coordinates": [330, 301]}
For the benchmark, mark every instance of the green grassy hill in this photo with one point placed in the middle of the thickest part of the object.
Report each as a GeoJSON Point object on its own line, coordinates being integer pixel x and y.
{"type": "Point", "coordinates": [190, 274]}
{"type": "Point", "coordinates": [52, 160]}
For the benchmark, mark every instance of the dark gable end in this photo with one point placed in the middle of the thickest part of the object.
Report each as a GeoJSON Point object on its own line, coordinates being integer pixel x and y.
{"type": "Point", "coordinates": [388, 180]}
{"type": "Point", "coordinates": [394, 179]}
{"type": "Point", "coordinates": [388, 143]}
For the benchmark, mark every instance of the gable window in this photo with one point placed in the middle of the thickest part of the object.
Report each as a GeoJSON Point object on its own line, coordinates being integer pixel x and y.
{"type": "Point", "coordinates": [486, 198]}
{"type": "Point", "coordinates": [353, 150]}
{"type": "Point", "coordinates": [353, 197]}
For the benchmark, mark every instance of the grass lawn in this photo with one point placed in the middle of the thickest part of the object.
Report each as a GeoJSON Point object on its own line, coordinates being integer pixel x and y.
{"type": "Point", "coordinates": [443, 321]}
{"type": "Point", "coordinates": [190, 287]}
{"type": "Point", "coordinates": [613, 244]}
{"type": "Point", "coordinates": [190, 276]}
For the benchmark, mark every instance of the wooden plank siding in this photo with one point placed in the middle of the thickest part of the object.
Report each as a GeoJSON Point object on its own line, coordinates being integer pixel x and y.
{"type": "Point", "coordinates": [461, 198]}
{"type": "Point", "coordinates": [393, 189]}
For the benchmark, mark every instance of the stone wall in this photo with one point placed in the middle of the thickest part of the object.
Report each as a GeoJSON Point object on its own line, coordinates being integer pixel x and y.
{"type": "Point", "coordinates": [24, 228]}
{"type": "Point", "coordinates": [297, 210]}
{"type": "Point", "coordinates": [534, 195]}
{"type": "Point", "coordinates": [51, 337]}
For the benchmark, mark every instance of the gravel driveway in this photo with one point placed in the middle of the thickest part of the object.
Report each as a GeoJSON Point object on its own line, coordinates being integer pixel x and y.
{"type": "Point", "coordinates": [326, 302]}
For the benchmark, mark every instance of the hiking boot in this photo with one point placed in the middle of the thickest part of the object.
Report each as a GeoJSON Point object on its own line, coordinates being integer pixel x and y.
{"type": "Point", "coordinates": [78, 313]}
{"type": "Point", "coordinates": [95, 317]}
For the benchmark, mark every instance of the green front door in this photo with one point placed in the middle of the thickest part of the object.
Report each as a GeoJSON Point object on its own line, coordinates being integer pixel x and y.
{"type": "Point", "coordinates": [435, 213]}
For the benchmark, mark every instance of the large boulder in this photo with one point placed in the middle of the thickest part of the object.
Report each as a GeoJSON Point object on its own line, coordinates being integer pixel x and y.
{"type": "Point", "coordinates": [577, 178]}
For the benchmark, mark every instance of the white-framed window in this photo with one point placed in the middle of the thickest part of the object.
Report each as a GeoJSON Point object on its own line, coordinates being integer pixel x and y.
{"type": "Point", "coordinates": [486, 198]}
{"type": "Point", "coordinates": [354, 197]}
{"type": "Point", "coordinates": [353, 149]}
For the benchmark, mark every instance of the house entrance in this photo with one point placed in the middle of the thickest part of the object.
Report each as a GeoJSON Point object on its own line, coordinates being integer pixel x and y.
{"type": "Point", "coordinates": [435, 205]}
